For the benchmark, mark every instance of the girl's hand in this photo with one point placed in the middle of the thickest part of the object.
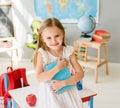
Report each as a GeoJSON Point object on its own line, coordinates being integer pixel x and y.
{"type": "Point", "coordinates": [62, 63]}
{"type": "Point", "coordinates": [57, 85]}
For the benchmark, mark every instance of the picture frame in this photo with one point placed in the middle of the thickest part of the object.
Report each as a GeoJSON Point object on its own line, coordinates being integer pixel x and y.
{"type": "Point", "coordinates": [67, 11]}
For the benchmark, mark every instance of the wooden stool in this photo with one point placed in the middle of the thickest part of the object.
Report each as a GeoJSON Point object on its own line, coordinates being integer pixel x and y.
{"type": "Point", "coordinates": [92, 61]}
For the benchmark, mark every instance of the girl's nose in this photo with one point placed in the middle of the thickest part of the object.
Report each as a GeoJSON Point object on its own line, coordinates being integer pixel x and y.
{"type": "Point", "coordinates": [53, 40]}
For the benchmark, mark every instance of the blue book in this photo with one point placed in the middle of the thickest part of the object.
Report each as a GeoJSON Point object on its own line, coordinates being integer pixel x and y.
{"type": "Point", "coordinates": [61, 75]}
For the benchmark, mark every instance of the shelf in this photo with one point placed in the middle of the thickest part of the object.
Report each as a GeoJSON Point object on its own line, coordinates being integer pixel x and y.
{"type": "Point", "coordinates": [3, 49]}
{"type": "Point", "coordinates": [91, 62]}
{"type": "Point", "coordinates": [91, 44]}
{"type": "Point", "coordinates": [5, 4]}
{"type": "Point", "coordinates": [8, 37]}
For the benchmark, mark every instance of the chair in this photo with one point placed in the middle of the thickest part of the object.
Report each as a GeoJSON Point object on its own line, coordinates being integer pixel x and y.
{"type": "Point", "coordinates": [87, 95]}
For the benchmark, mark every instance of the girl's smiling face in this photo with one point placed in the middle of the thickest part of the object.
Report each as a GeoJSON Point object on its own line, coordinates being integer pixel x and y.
{"type": "Point", "coordinates": [52, 37]}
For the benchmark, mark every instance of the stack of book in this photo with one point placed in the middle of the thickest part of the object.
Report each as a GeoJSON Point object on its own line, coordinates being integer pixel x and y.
{"type": "Point", "coordinates": [101, 36]}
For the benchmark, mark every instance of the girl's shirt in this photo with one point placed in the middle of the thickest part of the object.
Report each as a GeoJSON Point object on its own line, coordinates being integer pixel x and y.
{"type": "Point", "coordinates": [48, 57]}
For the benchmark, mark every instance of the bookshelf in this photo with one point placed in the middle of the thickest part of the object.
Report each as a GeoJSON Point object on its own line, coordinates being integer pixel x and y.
{"type": "Point", "coordinates": [94, 62]}
{"type": "Point", "coordinates": [7, 33]}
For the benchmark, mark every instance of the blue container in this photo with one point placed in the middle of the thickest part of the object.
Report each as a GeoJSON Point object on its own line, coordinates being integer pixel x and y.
{"type": "Point", "coordinates": [79, 85]}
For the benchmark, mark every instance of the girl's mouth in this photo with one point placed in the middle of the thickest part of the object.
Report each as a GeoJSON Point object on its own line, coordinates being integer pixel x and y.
{"type": "Point", "coordinates": [55, 44]}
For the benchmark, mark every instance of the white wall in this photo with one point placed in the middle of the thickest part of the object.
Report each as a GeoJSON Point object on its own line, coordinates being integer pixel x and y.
{"type": "Point", "coordinates": [109, 18]}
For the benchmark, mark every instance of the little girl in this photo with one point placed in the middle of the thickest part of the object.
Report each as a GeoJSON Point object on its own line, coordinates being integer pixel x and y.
{"type": "Point", "coordinates": [50, 48]}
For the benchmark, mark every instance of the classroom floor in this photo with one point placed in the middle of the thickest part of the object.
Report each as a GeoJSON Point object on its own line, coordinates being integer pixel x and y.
{"type": "Point", "coordinates": [107, 88]}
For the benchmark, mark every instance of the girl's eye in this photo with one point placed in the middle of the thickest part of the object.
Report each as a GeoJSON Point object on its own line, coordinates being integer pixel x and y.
{"type": "Point", "coordinates": [48, 37]}
{"type": "Point", "coordinates": [57, 35]}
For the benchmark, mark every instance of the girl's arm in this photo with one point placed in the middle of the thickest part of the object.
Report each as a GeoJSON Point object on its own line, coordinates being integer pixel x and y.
{"type": "Point", "coordinates": [73, 79]}
{"type": "Point", "coordinates": [79, 74]}
{"type": "Point", "coordinates": [47, 76]}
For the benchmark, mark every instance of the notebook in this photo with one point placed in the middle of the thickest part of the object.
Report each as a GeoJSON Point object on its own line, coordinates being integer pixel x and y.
{"type": "Point", "coordinates": [61, 75]}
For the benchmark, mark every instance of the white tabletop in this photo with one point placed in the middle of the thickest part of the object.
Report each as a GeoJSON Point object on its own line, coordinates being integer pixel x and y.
{"type": "Point", "coordinates": [19, 95]}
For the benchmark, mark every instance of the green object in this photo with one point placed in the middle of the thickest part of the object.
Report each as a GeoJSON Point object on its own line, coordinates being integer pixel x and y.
{"type": "Point", "coordinates": [31, 45]}
{"type": "Point", "coordinates": [35, 28]}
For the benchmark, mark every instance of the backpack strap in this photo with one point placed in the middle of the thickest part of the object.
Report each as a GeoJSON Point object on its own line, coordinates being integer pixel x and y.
{"type": "Point", "coordinates": [7, 99]}
{"type": "Point", "coordinates": [10, 80]}
{"type": "Point", "coordinates": [9, 84]}
{"type": "Point", "coordinates": [5, 82]}
{"type": "Point", "coordinates": [23, 75]}
{"type": "Point", "coordinates": [2, 90]}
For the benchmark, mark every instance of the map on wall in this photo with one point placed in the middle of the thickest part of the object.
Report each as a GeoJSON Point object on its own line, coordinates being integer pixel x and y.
{"type": "Point", "coordinates": [67, 11]}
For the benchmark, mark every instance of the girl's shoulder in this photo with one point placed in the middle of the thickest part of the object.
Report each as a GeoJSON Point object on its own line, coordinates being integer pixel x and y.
{"type": "Point", "coordinates": [44, 55]}
{"type": "Point", "coordinates": [41, 50]}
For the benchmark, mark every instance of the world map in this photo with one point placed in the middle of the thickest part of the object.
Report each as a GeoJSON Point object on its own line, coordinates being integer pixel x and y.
{"type": "Point", "coordinates": [67, 11]}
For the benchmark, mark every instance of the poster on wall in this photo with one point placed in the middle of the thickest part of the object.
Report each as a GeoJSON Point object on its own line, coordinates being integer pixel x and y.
{"type": "Point", "coordinates": [67, 11]}
{"type": "Point", "coordinates": [6, 25]}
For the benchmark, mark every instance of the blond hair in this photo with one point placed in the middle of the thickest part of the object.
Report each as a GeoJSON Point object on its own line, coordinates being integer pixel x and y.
{"type": "Point", "coordinates": [40, 44]}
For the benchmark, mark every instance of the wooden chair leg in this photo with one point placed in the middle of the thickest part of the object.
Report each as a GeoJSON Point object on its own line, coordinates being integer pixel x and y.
{"type": "Point", "coordinates": [106, 58]}
{"type": "Point", "coordinates": [107, 68]}
{"type": "Point", "coordinates": [96, 75]}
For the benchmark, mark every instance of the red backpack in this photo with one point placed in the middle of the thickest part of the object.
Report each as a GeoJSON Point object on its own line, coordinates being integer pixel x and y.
{"type": "Point", "coordinates": [11, 80]}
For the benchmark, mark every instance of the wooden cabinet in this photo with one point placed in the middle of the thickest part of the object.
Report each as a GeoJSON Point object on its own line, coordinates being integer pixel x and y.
{"type": "Point", "coordinates": [94, 62]}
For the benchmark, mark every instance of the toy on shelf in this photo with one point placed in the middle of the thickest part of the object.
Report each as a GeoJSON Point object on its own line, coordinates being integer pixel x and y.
{"type": "Point", "coordinates": [82, 52]}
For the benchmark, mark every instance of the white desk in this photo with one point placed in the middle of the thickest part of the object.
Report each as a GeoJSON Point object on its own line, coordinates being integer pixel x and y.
{"type": "Point", "coordinates": [19, 95]}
